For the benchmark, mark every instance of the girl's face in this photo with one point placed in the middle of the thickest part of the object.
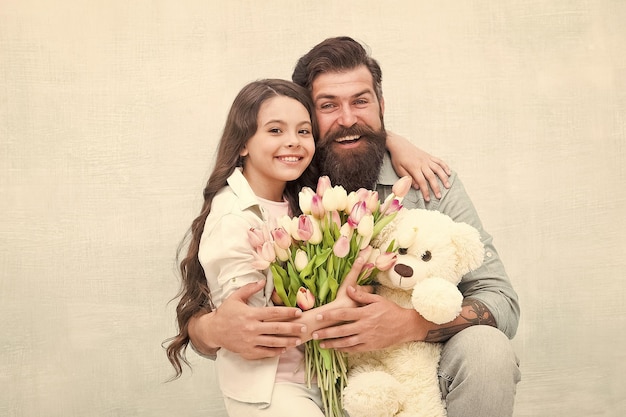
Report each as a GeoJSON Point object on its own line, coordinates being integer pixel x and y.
{"type": "Point", "coordinates": [281, 149]}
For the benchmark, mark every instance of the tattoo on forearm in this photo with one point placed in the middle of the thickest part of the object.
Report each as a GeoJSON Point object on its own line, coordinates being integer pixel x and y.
{"type": "Point", "coordinates": [477, 314]}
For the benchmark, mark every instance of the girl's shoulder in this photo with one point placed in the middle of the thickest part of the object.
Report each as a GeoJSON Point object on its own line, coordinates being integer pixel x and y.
{"type": "Point", "coordinates": [227, 206]}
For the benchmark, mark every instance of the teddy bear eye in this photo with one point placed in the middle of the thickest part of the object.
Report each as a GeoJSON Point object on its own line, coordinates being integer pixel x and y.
{"type": "Point", "coordinates": [427, 256]}
{"type": "Point", "coordinates": [403, 251]}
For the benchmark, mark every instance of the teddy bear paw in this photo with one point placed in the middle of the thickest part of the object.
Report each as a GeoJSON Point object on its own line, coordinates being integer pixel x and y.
{"type": "Point", "coordinates": [372, 394]}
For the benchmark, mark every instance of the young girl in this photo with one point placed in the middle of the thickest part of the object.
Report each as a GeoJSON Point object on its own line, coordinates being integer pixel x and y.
{"type": "Point", "coordinates": [262, 162]}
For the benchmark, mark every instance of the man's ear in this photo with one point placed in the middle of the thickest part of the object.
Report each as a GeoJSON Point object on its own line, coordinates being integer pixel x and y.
{"type": "Point", "coordinates": [382, 106]}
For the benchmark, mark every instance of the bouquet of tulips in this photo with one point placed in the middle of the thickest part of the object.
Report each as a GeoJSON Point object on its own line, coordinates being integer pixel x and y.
{"type": "Point", "coordinates": [310, 255]}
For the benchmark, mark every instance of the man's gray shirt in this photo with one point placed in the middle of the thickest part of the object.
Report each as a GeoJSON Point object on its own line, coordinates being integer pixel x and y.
{"type": "Point", "coordinates": [490, 283]}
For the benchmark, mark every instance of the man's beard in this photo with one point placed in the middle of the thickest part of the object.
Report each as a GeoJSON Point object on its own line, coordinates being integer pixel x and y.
{"type": "Point", "coordinates": [352, 168]}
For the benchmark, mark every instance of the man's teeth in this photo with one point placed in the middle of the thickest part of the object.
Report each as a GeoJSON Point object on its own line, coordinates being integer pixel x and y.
{"type": "Point", "coordinates": [347, 138]}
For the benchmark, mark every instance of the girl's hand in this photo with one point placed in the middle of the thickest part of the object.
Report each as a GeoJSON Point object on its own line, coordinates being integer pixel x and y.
{"type": "Point", "coordinates": [407, 159]}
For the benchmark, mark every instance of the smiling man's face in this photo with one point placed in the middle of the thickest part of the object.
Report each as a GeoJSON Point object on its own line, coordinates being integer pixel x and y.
{"type": "Point", "coordinates": [352, 137]}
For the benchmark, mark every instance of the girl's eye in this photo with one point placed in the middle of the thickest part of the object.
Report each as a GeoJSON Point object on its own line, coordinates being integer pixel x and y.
{"type": "Point", "coordinates": [274, 130]}
{"type": "Point", "coordinates": [305, 132]}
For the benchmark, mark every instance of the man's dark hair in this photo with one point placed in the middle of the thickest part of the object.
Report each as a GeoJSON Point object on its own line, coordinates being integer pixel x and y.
{"type": "Point", "coordinates": [335, 55]}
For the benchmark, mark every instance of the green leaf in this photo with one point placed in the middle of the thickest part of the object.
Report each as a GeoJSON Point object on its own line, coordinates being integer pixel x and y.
{"type": "Point", "coordinates": [308, 269]}
{"type": "Point", "coordinates": [322, 257]}
{"type": "Point", "coordinates": [333, 285]}
{"type": "Point", "coordinates": [293, 275]}
{"type": "Point", "coordinates": [324, 286]}
{"type": "Point", "coordinates": [277, 273]}
{"type": "Point", "coordinates": [310, 283]}
{"type": "Point", "coordinates": [382, 223]}
{"type": "Point", "coordinates": [328, 238]}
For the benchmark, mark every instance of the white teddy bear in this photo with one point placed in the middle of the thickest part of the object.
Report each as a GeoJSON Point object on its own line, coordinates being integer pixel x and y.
{"type": "Point", "coordinates": [434, 253]}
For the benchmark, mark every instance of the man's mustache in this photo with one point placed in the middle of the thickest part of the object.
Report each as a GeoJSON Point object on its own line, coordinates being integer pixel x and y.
{"type": "Point", "coordinates": [356, 130]}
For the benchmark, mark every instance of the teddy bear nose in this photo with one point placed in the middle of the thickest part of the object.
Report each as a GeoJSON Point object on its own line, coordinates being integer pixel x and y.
{"type": "Point", "coordinates": [403, 270]}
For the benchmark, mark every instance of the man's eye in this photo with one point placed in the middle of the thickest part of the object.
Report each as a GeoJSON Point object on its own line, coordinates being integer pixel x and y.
{"type": "Point", "coordinates": [327, 106]}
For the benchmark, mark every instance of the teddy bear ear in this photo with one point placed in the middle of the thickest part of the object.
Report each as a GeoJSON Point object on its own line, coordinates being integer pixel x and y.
{"type": "Point", "coordinates": [469, 248]}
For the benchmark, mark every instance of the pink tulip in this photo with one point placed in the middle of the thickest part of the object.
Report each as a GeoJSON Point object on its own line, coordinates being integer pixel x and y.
{"type": "Point", "coordinates": [356, 214]}
{"type": "Point", "coordinates": [305, 227]}
{"type": "Point", "coordinates": [267, 251]}
{"type": "Point", "coordinates": [264, 256]}
{"type": "Point", "coordinates": [372, 201]}
{"type": "Point", "coordinates": [255, 236]}
{"type": "Point", "coordinates": [402, 186]}
{"type": "Point", "coordinates": [317, 208]}
{"type": "Point", "coordinates": [323, 183]}
{"type": "Point", "coordinates": [393, 207]}
{"type": "Point", "coordinates": [341, 247]}
{"type": "Point", "coordinates": [386, 260]}
{"type": "Point", "coordinates": [363, 193]}
{"type": "Point", "coordinates": [305, 299]}
{"type": "Point", "coordinates": [281, 237]}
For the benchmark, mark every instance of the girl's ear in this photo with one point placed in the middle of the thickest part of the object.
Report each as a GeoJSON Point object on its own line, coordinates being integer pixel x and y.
{"type": "Point", "coordinates": [244, 152]}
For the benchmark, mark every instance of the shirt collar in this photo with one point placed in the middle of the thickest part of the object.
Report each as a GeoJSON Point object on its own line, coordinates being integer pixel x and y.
{"type": "Point", "coordinates": [387, 175]}
{"type": "Point", "coordinates": [242, 190]}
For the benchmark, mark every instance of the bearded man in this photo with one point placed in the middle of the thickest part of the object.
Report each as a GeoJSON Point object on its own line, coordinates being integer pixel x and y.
{"type": "Point", "coordinates": [479, 370]}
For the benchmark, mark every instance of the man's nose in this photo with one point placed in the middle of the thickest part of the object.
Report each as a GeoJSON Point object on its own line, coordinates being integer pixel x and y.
{"type": "Point", "coordinates": [347, 118]}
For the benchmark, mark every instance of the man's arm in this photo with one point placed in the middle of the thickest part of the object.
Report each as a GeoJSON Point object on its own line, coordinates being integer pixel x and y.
{"type": "Point", "coordinates": [261, 332]}
{"type": "Point", "coordinates": [380, 323]}
{"type": "Point", "coordinates": [253, 332]}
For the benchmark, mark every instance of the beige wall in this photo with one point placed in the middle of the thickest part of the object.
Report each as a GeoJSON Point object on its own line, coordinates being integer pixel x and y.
{"type": "Point", "coordinates": [109, 115]}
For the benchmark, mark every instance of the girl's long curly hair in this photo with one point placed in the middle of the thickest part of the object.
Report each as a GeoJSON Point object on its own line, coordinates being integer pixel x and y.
{"type": "Point", "coordinates": [241, 125]}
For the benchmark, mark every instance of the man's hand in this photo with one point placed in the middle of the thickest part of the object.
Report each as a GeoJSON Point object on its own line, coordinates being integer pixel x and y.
{"type": "Point", "coordinates": [253, 332]}
{"type": "Point", "coordinates": [407, 159]}
{"type": "Point", "coordinates": [377, 324]}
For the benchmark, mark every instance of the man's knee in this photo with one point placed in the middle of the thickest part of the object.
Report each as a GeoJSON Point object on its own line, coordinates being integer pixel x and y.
{"type": "Point", "coordinates": [479, 350]}
{"type": "Point", "coordinates": [478, 373]}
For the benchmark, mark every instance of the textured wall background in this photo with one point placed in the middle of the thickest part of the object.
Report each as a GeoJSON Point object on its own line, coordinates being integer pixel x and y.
{"type": "Point", "coordinates": [109, 115]}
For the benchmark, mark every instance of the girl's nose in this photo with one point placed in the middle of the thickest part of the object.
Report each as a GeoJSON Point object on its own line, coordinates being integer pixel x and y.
{"type": "Point", "coordinates": [293, 141]}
